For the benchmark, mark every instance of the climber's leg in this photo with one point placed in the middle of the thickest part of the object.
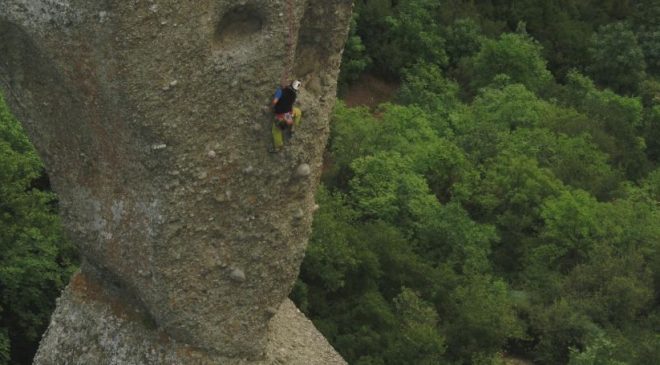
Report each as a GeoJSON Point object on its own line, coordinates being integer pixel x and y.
{"type": "Point", "coordinates": [297, 116]}
{"type": "Point", "coordinates": [278, 142]}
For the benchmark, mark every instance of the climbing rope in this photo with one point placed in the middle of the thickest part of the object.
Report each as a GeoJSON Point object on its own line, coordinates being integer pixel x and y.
{"type": "Point", "coordinates": [288, 66]}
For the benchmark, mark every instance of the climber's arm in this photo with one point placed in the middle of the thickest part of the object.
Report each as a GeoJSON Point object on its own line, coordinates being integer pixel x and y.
{"type": "Point", "coordinates": [277, 96]}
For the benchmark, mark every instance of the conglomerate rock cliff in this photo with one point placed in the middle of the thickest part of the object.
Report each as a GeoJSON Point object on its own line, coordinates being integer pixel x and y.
{"type": "Point", "coordinates": [149, 115]}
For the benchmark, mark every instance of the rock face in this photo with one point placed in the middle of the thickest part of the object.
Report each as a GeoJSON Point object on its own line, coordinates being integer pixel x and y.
{"type": "Point", "coordinates": [149, 115]}
{"type": "Point", "coordinates": [123, 333]}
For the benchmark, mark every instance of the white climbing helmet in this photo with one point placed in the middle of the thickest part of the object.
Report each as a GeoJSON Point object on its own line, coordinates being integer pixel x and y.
{"type": "Point", "coordinates": [296, 85]}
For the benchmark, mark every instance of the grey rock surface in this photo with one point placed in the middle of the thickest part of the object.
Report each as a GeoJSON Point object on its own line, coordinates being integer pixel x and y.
{"type": "Point", "coordinates": [149, 115]}
{"type": "Point", "coordinates": [94, 324]}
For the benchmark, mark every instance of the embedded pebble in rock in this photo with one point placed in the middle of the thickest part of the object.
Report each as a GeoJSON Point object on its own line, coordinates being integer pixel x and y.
{"type": "Point", "coordinates": [237, 275]}
{"type": "Point", "coordinates": [303, 170]}
{"type": "Point", "coordinates": [145, 140]}
{"type": "Point", "coordinates": [144, 273]}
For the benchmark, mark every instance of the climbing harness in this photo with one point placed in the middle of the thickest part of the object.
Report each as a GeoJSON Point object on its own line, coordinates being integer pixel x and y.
{"type": "Point", "coordinates": [284, 120]}
{"type": "Point", "coordinates": [288, 66]}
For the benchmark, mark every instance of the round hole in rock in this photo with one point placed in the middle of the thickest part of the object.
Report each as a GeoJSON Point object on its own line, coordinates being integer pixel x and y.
{"type": "Point", "coordinates": [238, 26]}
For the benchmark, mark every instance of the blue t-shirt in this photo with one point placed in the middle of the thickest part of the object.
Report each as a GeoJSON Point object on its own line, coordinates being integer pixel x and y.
{"type": "Point", "coordinates": [278, 93]}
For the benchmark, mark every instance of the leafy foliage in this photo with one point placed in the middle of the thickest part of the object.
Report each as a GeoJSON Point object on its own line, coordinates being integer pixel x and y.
{"type": "Point", "coordinates": [600, 351]}
{"type": "Point", "coordinates": [425, 86]}
{"type": "Point", "coordinates": [398, 34]}
{"type": "Point", "coordinates": [464, 39]}
{"type": "Point", "coordinates": [35, 259]}
{"type": "Point", "coordinates": [614, 121]}
{"type": "Point", "coordinates": [617, 58]}
{"type": "Point", "coordinates": [418, 339]}
{"type": "Point", "coordinates": [500, 210]}
{"type": "Point", "coordinates": [517, 56]}
{"type": "Point", "coordinates": [647, 30]}
{"type": "Point", "coordinates": [354, 59]}
{"type": "Point", "coordinates": [5, 347]}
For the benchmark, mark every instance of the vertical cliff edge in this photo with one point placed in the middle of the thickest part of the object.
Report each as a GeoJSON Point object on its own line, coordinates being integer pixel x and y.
{"type": "Point", "coordinates": [150, 118]}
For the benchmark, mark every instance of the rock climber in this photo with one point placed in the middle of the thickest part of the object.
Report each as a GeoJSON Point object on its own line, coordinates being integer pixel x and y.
{"type": "Point", "coordinates": [287, 117]}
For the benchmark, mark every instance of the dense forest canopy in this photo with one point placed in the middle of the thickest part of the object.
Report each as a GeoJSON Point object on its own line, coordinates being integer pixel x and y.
{"type": "Point", "coordinates": [505, 203]}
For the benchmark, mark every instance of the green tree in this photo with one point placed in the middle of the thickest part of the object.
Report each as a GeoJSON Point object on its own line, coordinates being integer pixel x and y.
{"type": "Point", "coordinates": [352, 136]}
{"type": "Point", "coordinates": [614, 122]}
{"type": "Point", "coordinates": [463, 39]}
{"type": "Point", "coordinates": [366, 322]}
{"type": "Point", "coordinates": [618, 274]}
{"type": "Point", "coordinates": [410, 131]}
{"type": "Point", "coordinates": [450, 237]}
{"type": "Point", "coordinates": [575, 160]}
{"type": "Point", "coordinates": [572, 226]}
{"type": "Point", "coordinates": [35, 259]}
{"type": "Point", "coordinates": [331, 255]}
{"type": "Point", "coordinates": [652, 133]}
{"type": "Point", "coordinates": [399, 34]}
{"type": "Point", "coordinates": [599, 351]}
{"type": "Point", "coordinates": [650, 92]}
{"type": "Point", "coordinates": [385, 187]}
{"type": "Point", "coordinates": [486, 124]}
{"type": "Point", "coordinates": [416, 135]}
{"type": "Point", "coordinates": [5, 346]}
{"type": "Point", "coordinates": [509, 196]}
{"type": "Point", "coordinates": [352, 272]}
{"type": "Point", "coordinates": [509, 107]}
{"type": "Point", "coordinates": [645, 21]}
{"type": "Point", "coordinates": [425, 86]}
{"type": "Point", "coordinates": [372, 27]}
{"type": "Point", "coordinates": [560, 28]}
{"type": "Point", "coordinates": [617, 60]}
{"type": "Point", "coordinates": [559, 327]}
{"type": "Point", "coordinates": [402, 265]}
{"type": "Point", "coordinates": [515, 55]}
{"type": "Point", "coordinates": [597, 259]}
{"type": "Point", "coordinates": [652, 184]}
{"type": "Point", "coordinates": [355, 60]}
{"type": "Point", "coordinates": [620, 289]}
{"type": "Point", "coordinates": [415, 35]}
{"type": "Point", "coordinates": [482, 319]}
{"type": "Point", "coordinates": [417, 340]}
